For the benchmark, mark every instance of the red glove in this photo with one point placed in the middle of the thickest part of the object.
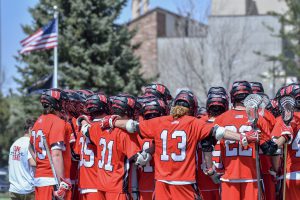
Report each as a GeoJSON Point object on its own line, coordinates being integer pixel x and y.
{"type": "Point", "coordinates": [287, 132]}
{"type": "Point", "coordinates": [64, 186]}
{"type": "Point", "coordinates": [109, 121]}
{"type": "Point", "coordinates": [249, 137]}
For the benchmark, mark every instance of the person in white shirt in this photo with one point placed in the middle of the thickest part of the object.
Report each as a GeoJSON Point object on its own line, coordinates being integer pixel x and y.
{"type": "Point", "coordinates": [21, 167]}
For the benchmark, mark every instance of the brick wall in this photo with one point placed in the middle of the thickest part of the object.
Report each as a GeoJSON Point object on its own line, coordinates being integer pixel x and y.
{"type": "Point", "coordinates": [146, 35]}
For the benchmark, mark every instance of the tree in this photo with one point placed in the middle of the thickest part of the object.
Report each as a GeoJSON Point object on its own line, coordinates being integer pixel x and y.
{"type": "Point", "coordinates": [290, 35]}
{"type": "Point", "coordinates": [4, 117]}
{"type": "Point", "coordinates": [94, 52]}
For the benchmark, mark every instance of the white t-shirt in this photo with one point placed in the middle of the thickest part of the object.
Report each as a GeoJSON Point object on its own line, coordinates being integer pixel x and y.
{"type": "Point", "coordinates": [21, 174]}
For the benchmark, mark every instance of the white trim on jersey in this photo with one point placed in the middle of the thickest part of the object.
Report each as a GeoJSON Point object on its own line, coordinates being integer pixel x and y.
{"type": "Point", "coordinates": [44, 181]}
{"type": "Point", "coordinates": [84, 191]}
{"type": "Point", "coordinates": [239, 180]}
{"type": "Point", "coordinates": [178, 182]}
{"type": "Point", "coordinates": [292, 176]}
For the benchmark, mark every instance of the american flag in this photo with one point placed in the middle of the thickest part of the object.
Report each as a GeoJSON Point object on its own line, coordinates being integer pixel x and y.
{"type": "Point", "coordinates": [44, 38]}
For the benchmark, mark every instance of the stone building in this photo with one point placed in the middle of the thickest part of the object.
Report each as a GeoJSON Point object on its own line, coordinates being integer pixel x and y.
{"type": "Point", "coordinates": [182, 52]}
{"type": "Point", "coordinates": [160, 23]}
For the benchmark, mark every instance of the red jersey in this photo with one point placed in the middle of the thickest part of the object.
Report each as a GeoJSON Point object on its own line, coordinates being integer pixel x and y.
{"type": "Point", "coordinates": [293, 151]}
{"type": "Point", "coordinates": [269, 117]}
{"type": "Point", "coordinates": [175, 146]}
{"type": "Point", "coordinates": [67, 153]}
{"type": "Point", "coordinates": [74, 141]}
{"type": "Point", "coordinates": [146, 172]}
{"type": "Point", "coordinates": [239, 161]}
{"type": "Point", "coordinates": [114, 148]}
{"type": "Point", "coordinates": [265, 160]}
{"type": "Point", "coordinates": [54, 130]}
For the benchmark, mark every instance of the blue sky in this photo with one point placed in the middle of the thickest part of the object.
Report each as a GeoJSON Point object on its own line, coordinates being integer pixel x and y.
{"type": "Point", "coordinates": [15, 12]}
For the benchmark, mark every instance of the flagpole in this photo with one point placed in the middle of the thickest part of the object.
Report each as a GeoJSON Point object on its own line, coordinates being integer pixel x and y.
{"type": "Point", "coordinates": [55, 57]}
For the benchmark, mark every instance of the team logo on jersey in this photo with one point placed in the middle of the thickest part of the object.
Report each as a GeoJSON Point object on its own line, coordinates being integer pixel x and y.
{"type": "Point", "coordinates": [239, 116]}
{"type": "Point", "coordinates": [175, 122]}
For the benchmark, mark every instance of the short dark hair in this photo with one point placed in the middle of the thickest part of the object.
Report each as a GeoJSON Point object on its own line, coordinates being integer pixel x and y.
{"type": "Point", "coordinates": [29, 124]}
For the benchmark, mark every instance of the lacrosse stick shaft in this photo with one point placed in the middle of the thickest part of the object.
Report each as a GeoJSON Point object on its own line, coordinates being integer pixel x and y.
{"type": "Point", "coordinates": [258, 170]}
{"type": "Point", "coordinates": [50, 161]}
{"type": "Point", "coordinates": [284, 170]}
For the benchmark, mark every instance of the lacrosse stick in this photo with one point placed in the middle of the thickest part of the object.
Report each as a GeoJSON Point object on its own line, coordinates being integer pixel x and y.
{"type": "Point", "coordinates": [265, 101]}
{"type": "Point", "coordinates": [286, 106]}
{"type": "Point", "coordinates": [252, 103]}
{"type": "Point", "coordinates": [51, 161]}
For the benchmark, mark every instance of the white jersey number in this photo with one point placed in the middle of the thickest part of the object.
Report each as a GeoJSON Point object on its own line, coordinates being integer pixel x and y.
{"type": "Point", "coordinates": [85, 151]}
{"type": "Point", "coordinates": [41, 147]}
{"type": "Point", "coordinates": [181, 146]}
{"type": "Point", "coordinates": [296, 145]}
{"type": "Point", "coordinates": [106, 146]}
{"type": "Point", "coordinates": [234, 148]}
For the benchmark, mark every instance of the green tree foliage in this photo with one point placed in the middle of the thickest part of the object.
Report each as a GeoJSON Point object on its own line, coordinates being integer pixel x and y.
{"type": "Point", "coordinates": [94, 52]}
{"type": "Point", "coordinates": [290, 34]}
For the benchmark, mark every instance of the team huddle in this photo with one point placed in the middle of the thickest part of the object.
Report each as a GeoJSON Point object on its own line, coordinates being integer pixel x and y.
{"type": "Point", "coordinates": [90, 146]}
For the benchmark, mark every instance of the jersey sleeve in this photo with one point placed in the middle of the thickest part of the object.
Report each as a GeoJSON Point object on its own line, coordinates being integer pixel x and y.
{"type": "Point", "coordinates": [271, 119]}
{"type": "Point", "coordinates": [277, 130]}
{"type": "Point", "coordinates": [146, 128]}
{"type": "Point", "coordinates": [129, 144]}
{"type": "Point", "coordinates": [57, 132]}
{"type": "Point", "coordinates": [264, 127]}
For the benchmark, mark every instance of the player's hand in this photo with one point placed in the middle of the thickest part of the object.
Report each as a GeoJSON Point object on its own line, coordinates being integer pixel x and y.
{"type": "Point", "coordinates": [64, 186]}
{"type": "Point", "coordinates": [211, 172]}
{"type": "Point", "coordinates": [143, 158]}
{"type": "Point", "coordinates": [287, 132]}
{"type": "Point", "coordinates": [274, 175]}
{"type": "Point", "coordinates": [109, 121]}
{"type": "Point", "coordinates": [83, 119]}
{"type": "Point", "coordinates": [252, 136]}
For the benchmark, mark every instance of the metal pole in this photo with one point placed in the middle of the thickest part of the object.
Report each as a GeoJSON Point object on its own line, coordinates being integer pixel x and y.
{"type": "Point", "coordinates": [55, 57]}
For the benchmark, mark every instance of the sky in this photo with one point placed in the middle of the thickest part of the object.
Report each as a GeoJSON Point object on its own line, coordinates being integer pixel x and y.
{"type": "Point", "coordinates": [14, 13]}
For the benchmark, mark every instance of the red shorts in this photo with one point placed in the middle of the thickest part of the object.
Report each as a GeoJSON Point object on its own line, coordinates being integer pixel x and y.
{"type": "Point", "coordinates": [239, 191]}
{"type": "Point", "coordinates": [210, 195]}
{"type": "Point", "coordinates": [164, 191]}
{"type": "Point", "coordinates": [42, 193]}
{"type": "Point", "coordinates": [292, 189]}
{"type": "Point", "coordinates": [269, 185]}
{"type": "Point", "coordinates": [92, 196]}
{"type": "Point", "coordinates": [114, 196]}
{"type": "Point", "coordinates": [146, 195]}
{"type": "Point", "coordinates": [75, 192]}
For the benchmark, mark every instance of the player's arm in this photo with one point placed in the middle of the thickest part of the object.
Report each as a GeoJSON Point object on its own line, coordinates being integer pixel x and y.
{"type": "Point", "coordinates": [283, 134]}
{"type": "Point", "coordinates": [57, 157]}
{"type": "Point", "coordinates": [244, 138]}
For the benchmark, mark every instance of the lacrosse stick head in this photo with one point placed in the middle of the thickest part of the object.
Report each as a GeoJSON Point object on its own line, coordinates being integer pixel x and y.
{"type": "Point", "coordinates": [252, 103]}
{"type": "Point", "coordinates": [264, 103]}
{"type": "Point", "coordinates": [287, 106]}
